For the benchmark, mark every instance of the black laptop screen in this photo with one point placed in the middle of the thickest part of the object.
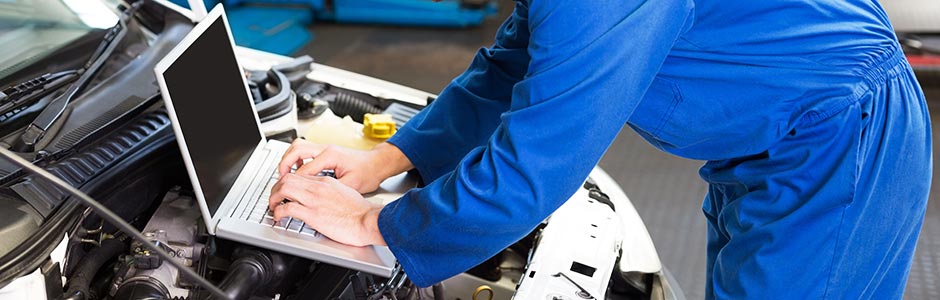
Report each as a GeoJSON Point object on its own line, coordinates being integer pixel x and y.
{"type": "Point", "coordinates": [214, 111]}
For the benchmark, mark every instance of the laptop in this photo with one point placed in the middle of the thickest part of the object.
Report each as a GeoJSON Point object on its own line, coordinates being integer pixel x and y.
{"type": "Point", "coordinates": [231, 164]}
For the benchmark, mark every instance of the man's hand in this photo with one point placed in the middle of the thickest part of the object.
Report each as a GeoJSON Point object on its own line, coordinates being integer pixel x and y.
{"type": "Point", "coordinates": [330, 207]}
{"type": "Point", "coordinates": [361, 170]}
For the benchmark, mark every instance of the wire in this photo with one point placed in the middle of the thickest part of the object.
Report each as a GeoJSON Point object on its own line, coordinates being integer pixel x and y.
{"type": "Point", "coordinates": [115, 220]}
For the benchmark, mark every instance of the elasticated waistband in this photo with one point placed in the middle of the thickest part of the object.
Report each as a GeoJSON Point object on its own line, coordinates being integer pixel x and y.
{"type": "Point", "coordinates": [888, 64]}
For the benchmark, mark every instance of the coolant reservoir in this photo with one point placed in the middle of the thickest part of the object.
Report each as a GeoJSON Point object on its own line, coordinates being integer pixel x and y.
{"type": "Point", "coordinates": [333, 130]}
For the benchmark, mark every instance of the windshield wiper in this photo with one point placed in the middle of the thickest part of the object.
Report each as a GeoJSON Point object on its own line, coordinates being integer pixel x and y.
{"type": "Point", "coordinates": [49, 115]}
{"type": "Point", "coordinates": [18, 96]}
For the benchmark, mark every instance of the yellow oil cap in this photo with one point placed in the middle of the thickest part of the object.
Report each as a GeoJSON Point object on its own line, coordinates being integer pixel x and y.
{"type": "Point", "coordinates": [378, 126]}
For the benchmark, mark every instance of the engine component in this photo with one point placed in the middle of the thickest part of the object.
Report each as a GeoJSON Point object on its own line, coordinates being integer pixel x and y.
{"type": "Point", "coordinates": [489, 269]}
{"type": "Point", "coordinates": [81, 280]}
{"type": "Point", "coordinates": [310, 101]}
{"type": "Point", "coordinates": [341, 101]}
{"type": "Point", "coordinates": [173, 227]}
{"type": "Point", "coordinates": [348, 104]}
{"type": "Point", "coordinates": [380, 126]}
{"type": "Point", "coordinates": [296, 70]}
{"type": "Point", "coordinates": [248, 274]}
{"type": "Point", "coordinates": [254, 270]}
{"type": "Point", "coordinates": [142, 288]}
{"type": "Point", "coordinates": [401, 113]}
{"type": "Point", "coordinates": [111, 217]}
{"type": "Point", "coordinates": [271, 93]}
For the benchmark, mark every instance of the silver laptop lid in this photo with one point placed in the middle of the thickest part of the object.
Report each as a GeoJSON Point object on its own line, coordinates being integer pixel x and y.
{"type": "Point", "coordinates": [209, 104]}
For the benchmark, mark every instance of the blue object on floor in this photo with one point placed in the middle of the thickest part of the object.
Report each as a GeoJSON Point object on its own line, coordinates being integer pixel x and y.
{"type": "Point", "coordinates": [184, 3]}
{"type": "Point", "coordinates": [280, 30]}
{"type": "Point", "coordinates": [447, 13]}
{"type": "Point", "coordinates": [275, 29]}
{"type": "Point", "coordinates": [315, 4]}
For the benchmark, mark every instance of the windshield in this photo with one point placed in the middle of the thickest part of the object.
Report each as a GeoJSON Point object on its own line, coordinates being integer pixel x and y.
{"type": "Point", "coordinates": [32, 29]}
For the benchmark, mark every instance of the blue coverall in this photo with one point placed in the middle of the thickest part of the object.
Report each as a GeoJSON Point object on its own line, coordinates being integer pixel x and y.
{"type": "Point", "coordinates": [813, 125]}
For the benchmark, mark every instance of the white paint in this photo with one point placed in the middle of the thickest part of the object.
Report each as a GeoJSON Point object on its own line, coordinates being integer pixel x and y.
{"type": "Point", "coordinates": [29, 287]}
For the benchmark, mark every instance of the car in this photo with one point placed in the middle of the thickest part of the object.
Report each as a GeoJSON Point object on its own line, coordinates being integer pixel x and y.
{"type": "Point", "coordinates": [80, 100]}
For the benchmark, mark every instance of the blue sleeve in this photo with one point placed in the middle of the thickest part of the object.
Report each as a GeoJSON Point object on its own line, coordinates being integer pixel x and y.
{"type": "Point", "coordinates": [467, 111]}
{"type": "Point", "coordinates": [590, 64]}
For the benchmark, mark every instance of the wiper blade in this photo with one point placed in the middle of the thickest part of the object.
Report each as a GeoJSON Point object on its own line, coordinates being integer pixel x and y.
{"type": "Point", "coordinates": [19, 95]}
{"type": "Point", "coordinates": [24, 88]}
{"type": "Point", "coordinates": [49, 115]}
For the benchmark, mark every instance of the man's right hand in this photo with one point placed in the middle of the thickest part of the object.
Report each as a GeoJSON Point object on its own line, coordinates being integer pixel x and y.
{"type": "Point", "coordinates": [360, 170]}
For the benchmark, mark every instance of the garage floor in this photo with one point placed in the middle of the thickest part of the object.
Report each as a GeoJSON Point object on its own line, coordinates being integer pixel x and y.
{"type": "Point", "coordinates": [665, 189]}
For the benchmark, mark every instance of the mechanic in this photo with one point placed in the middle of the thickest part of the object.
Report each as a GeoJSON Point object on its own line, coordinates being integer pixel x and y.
{"type": "Point", "coordinates": [813, 125]}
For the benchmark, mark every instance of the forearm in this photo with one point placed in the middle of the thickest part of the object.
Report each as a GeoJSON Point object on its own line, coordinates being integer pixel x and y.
{"type": "Point", "coordinates": [389, 160]}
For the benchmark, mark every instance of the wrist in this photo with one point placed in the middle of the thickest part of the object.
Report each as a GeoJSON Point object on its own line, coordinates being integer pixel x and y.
{"type": "Point", "coordinates": [391, 160]}
{"type": "Point", "coordinates": [370, 226]}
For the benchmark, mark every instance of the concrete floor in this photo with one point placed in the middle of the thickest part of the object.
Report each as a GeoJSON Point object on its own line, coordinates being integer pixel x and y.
{"type": "Point", "coordinates": [666, 189]}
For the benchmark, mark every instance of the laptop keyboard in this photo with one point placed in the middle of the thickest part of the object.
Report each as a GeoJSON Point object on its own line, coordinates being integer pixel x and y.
{"type": "Point", "coordinates": [256, 210]}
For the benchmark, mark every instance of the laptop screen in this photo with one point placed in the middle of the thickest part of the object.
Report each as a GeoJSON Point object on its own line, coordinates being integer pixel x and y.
{"type": "Point", "coordinates": [214, 111]}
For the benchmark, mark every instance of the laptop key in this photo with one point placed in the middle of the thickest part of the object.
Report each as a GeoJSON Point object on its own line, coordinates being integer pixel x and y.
{"type": "Point", "coordinates": [308, 231]}
{"type": "Point", "coordinates": [282, 223]}
{"type": "Point", "coordinates": [295, 225]}
{"type": "Point", "coordinates": [267, 221]}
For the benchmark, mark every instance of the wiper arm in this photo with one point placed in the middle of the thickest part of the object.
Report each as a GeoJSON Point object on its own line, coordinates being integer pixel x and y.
{"type": "Point", "coordinates": [49, 115]}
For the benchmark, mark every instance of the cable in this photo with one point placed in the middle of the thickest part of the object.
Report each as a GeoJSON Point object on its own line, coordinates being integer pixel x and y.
{"type": "Point", "coordinates": [115, 220]}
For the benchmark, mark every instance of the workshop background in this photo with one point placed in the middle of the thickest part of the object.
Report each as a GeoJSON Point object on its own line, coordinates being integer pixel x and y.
{"type": "Point", "coordinates": [424, 45]}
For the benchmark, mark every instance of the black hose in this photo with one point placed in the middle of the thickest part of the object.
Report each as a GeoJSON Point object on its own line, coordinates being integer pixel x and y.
{"type": "Point", "coordinates": [244, 278]}
{"type": "Point", "coordinates": [347, 104]}
{"type": "Point", "coordinates": [141, 288]}
{"type": "Point", "coordinates": [89, 266]}
{"type": "Point", "coordinates": [253, 270]}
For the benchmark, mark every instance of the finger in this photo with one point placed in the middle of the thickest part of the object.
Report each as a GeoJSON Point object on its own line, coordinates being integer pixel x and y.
{"type": "Point", "coordinates": [277, 191]}
{"type": "Point", "coordinates": [290, 209]}
{"type": "Point", "coordinates": [345, 181]}
{"type": "Point", "coordinates": [274, 199]}
{"type": "Point", "coordinates": [323, 162]}
{"type": "Point", "coordinates": [290, 149]}
{"type": "Point", "coordinates": [297, 189]}
{"type": "Point", "coordinates": [317, 165]}
{"type": "Point", "coordinates": [293, 155]}
{"type": "Point", "coordinates": [328, 182]}
{"type": "Point", "coordinates": [323, 179]}
{"type": "Point", "coordinates": [296, 153]}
